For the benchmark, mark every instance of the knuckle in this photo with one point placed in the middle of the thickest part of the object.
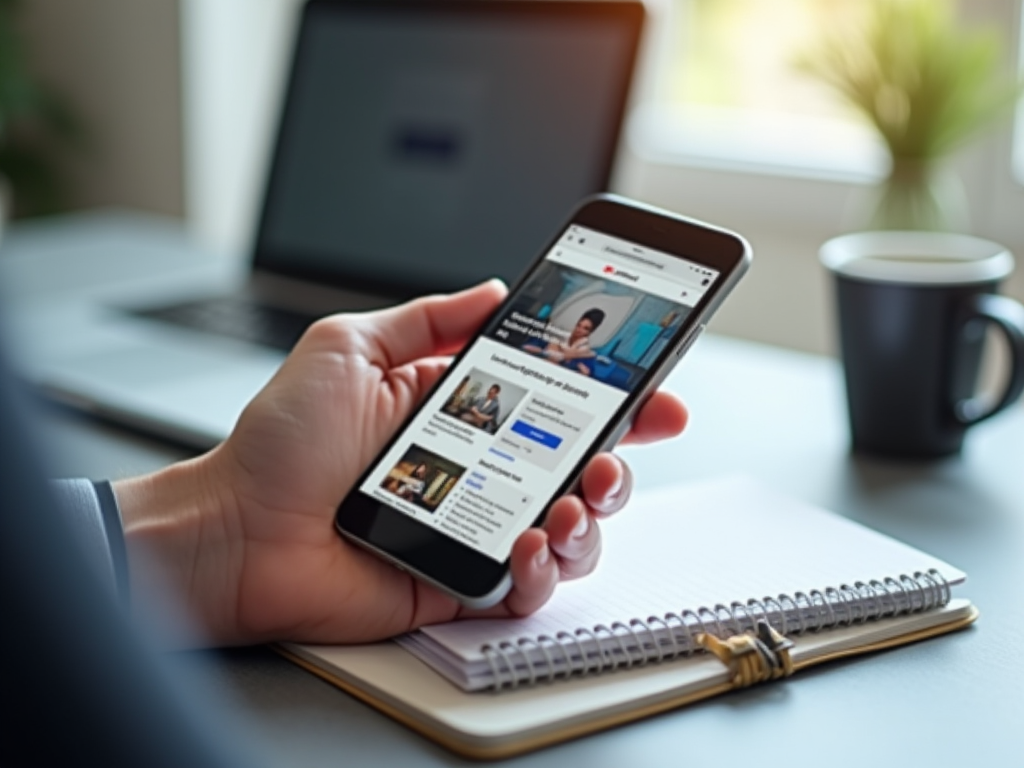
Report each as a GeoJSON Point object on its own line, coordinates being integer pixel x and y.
{"type": "Point", "coordinates": [331, 332]}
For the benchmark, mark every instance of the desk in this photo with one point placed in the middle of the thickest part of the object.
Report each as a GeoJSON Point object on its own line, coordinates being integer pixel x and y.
{"type": "Point", "coordinates": [777, 415]}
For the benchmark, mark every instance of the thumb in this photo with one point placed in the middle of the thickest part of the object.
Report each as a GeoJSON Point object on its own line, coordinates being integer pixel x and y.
{"type": "Point", "coordinates": [431, 326]}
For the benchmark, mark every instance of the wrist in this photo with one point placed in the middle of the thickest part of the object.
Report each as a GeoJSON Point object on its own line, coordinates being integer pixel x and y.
{"type": "Point", "coordinates": [182, 546]}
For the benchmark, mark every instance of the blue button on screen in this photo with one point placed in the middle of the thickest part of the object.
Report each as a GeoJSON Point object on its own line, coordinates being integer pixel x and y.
{"type": "Point", "coordinates": [530, 432]}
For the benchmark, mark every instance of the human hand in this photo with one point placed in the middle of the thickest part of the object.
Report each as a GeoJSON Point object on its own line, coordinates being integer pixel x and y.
{"type": "Point", "coordinates": [245, 533]}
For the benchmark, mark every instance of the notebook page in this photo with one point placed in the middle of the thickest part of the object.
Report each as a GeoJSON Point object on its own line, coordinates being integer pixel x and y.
{"type": "Point", "coordinates": [699, 545]}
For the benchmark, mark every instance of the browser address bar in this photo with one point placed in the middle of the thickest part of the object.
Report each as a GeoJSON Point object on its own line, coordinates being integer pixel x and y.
{"type": "Point", "coordinates": [615, 269]}
{"type": "Point", "coordinates": [646, 265]}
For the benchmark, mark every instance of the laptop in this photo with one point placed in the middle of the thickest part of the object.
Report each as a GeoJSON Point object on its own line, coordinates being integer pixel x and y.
{"type": "Point", "coordinates": [423, 145]}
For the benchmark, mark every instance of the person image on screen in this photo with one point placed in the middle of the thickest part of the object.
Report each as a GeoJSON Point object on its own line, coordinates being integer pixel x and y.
{"type": "Point", "coordinates": [457, 402]}
{"type": "Point", "coordinates": [484, 412]}
{"type": "Point", "coordinates": [574, 351]}
{"type": "Point", "coordinates": [411, 486]}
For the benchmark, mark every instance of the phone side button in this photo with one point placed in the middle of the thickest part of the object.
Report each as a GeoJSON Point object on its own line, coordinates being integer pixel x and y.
{"type": "Point", "coordinates": [686, 343]}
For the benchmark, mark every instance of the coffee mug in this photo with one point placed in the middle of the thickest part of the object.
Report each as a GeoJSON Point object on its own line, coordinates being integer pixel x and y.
{"type": "Point", "coordinates": [913, 310]}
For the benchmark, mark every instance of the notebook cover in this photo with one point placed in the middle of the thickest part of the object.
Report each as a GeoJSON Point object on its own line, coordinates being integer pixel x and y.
{"type": "Point", "coordinates": [497, 725]}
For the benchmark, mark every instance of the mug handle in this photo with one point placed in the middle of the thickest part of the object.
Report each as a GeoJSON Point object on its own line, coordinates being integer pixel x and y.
{"type": "Point", "coordinates": [1008, 316]}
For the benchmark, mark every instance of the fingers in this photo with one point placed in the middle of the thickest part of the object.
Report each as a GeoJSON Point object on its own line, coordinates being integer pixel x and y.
{"type": "Point", "coordinates": [569, 545]}
{"type": "Point", "coordinates": [434, 325]}
{"type": "Point", "coordinates": [661, 417]}
{"type": "Point", "coordinates": [573, 536]}
{"type": "Point", "coordinates": [606, 484]}
{"type": "Point", "coordinates": [534, 573]}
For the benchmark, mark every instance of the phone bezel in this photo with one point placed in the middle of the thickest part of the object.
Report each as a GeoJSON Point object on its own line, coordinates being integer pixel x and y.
{"type": "Point", "coordinates": [464, 572]}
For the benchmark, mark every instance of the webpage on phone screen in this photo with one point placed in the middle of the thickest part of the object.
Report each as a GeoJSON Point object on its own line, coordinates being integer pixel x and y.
{"type": "Point", "coordinates": [489, 449]}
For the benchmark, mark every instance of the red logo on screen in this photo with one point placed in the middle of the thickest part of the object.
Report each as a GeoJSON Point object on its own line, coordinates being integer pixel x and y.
{"type": "Point", "coordinates": [609, 270]}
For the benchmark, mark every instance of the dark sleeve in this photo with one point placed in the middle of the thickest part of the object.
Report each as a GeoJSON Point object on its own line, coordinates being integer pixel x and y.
{"type": "Point", "coordinates": [90, 511]}
{"type": "Point", "coordinates": [77, 686]}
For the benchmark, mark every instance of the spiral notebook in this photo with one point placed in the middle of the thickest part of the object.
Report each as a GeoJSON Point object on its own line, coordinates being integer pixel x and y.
{"type": "Point", "coordinates": [713, 558]}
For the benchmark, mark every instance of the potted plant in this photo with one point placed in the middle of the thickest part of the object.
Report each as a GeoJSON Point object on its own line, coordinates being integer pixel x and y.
{"type": "Point", "coordinates": [35, 124]}
{"type": "Point", "coordinates": [926, 84]}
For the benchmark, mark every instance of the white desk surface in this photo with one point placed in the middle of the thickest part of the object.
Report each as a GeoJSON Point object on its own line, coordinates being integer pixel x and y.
{"type": "Point", "coordinates": [777, 415]}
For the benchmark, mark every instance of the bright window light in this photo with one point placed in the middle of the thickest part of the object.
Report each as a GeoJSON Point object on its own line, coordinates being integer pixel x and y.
{"type": "Point", "coordinates": [1018, 132]}
{"type": "Point", "coordinates": [731, 92]}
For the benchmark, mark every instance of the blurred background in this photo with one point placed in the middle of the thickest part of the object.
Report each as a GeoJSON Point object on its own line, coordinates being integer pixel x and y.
{"type": "Point", "coordinates": [168, 106]}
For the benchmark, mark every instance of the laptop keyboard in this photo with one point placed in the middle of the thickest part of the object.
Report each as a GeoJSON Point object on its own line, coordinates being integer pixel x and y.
{"type": "Point", "coordinates": [237, 318]}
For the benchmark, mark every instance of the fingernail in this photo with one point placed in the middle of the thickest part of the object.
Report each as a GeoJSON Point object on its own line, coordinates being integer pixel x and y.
{"type": "Point", "coordinates": [542, 557]}
{"type": "Point", "coordinates": [581, 527]}
{"type": "Point", "coordinates": [616, 489]}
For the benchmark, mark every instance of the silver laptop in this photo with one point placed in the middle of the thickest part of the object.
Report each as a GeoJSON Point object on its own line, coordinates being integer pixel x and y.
{"type": "Point", "coordinates": [423, 145]}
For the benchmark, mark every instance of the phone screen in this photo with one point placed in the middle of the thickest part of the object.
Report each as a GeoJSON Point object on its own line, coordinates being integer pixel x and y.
{"type": "Point", "coordinates": [487, 451]}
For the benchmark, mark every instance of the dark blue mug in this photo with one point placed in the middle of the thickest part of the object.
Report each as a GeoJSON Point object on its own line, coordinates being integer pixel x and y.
{"type": "Point", "coordinates": [913, 311]}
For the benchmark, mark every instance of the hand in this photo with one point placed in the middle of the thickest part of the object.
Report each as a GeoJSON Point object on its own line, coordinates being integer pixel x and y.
{"type": "Point", "coordinates": [245, 532]}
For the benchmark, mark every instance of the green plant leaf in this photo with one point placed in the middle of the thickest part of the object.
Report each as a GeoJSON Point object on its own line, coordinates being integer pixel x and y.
{"type": "Point", "coordinates": [926, 83]}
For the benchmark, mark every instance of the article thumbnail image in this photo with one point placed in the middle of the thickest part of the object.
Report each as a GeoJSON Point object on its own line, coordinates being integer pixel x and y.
{"type": "Point", "coordinates": [483, 401]}
{"type": "Point", "coordinates": [598, 328]}
{"type": "Point", "coordinates": [422, 478]}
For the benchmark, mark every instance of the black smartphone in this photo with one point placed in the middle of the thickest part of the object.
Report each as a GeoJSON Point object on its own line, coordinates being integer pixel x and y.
{"type": "Point", "coordinates": [552, 378]}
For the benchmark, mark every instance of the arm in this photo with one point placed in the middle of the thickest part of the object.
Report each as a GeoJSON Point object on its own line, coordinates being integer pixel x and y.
{"type": "Point", "coordinates": [580, 352]}
{"type": "Point", "coordinates": [555, 351]}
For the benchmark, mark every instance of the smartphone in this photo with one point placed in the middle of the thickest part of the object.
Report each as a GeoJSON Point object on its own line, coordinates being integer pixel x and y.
{"type": "Point", "coordinates": [551, 379]}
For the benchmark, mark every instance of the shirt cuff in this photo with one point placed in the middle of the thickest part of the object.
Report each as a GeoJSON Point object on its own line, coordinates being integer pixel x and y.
{"type": "Point", "coordinates": [91, 511]}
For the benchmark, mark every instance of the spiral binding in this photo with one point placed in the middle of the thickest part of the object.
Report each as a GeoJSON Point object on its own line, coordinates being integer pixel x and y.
{"type": "Point", "coordinates": [603, 648]}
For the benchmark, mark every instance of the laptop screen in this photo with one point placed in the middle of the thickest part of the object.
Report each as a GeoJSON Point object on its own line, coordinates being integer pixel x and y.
{"type": "Point", "coordinates": [428, 145]}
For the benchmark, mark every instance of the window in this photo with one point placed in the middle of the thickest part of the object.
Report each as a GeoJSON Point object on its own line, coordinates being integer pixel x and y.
{"type": "Point", "coordinates": [728, 127]}
{"type": "Point", "coordinates": [1018, 139]}
{"type": "Point", "coordinates": [729, 91]}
